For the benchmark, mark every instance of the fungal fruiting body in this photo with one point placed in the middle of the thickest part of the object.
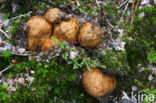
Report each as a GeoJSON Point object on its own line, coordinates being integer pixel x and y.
{"type": "Point", "coordinates": [67, 30]}
{"type": "Point", "coordinates": [90, 35]}
{"type": "Point", "coordinates": [37, 28]}
{"type": "Point", "coordinates": [54, 15]}
{"type": "Point", "coordinates": [96, 83]}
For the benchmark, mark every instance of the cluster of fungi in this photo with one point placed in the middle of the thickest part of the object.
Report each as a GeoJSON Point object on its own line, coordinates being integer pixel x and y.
{"type": "Point", "coordinates": [55, 23]}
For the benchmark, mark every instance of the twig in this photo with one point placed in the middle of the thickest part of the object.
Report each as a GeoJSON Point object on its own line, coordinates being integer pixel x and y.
{"type": "Point", "coordinates": [4, 33]}
{"type": "Point", "coordinates": [97, 3]}
{"type": "Point", "coordinates": [103, 14]}
{"type": "Point", "coordinates": [134, 11]}
{"type": "Point", "coordinates": [77, 2]}
{"type": "Point", "coordinates": [122, 4]}
{"type": "Point", "coordinates": [113, 39]}
{"type": "Point", "coordinates": [17, 17]}
{"type": "Point", "coordinates": [6, 68]}
{"type": "Point", "coordinates": [19, 54]}
{"type": "Point", "coordinates": [124, 11]}
{"type": "Point", "coordinates": [20, 16]}
{"type": "Point", "coordinates": [13, 19]}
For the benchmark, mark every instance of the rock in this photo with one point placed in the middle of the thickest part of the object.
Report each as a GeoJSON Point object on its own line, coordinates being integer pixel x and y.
{"type": "Point", "coordinates": [21, 81]}
{"type": "Point", "coordinates": [73, 54]}
{"type": "Point", "coordinates": [134, 88]}
{"type": "Point", "coordinates": [62, 6]}
{"type": "Point", "coordinates": [141, 15]}
{"type": "Point", "coordinates": [6, 23]}
{"type": "Point", "coordinates": [21, 50]}
{"type": "Point", "coordinates": [7, 46]}
{"type": "Point", "coordinates": [150, 78]}
{"type": "Point", "coordinates": [154, 2]}
{"type": "Point", "coordinates": [144, 2]}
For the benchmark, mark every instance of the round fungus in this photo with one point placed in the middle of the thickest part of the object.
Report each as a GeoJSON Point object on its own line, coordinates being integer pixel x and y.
{"type": "Point", "coordinates": [54, 15]}
{"type": "Point", "coordinates": [90, 35]}
{"type": "Point", "coordinates": [67, 30]}
{"type": "Point", "coordinates": [37, 28]}
{"type": "Point", "coordinates": [96, 83]}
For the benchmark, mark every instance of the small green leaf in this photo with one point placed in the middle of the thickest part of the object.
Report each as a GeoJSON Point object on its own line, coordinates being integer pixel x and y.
{"type": "Point", "coordinates": [6, 54]}
{"type": "Point", "coordinates": [6, 16]}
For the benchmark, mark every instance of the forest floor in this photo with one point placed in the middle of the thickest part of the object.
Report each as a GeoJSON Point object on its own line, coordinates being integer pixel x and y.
{"type": "Point", "coordinates": [127, 52]}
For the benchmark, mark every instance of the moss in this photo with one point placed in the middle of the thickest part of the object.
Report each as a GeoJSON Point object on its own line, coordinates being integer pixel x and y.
{"type": "Point", "coordinates": [52, 80]}
{"type": "Point", "coordinates": [143, 33]}
{"type": "Point", "coordinates": [140, 50]}
{"type": "Point", "coordinates": [115, 62]}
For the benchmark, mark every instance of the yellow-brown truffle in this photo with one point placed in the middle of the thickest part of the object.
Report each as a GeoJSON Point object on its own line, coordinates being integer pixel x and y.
{"type": "Point", "coordinates": [96, 83]}
{"type": "Point", "coordinates": [67, 30]}
{"type": "Point", "coordinates": [37, 28]}
{"type": "Point", "coordinates": [54, 15]}
{"type": "Point", "coordinates": [90, 35]}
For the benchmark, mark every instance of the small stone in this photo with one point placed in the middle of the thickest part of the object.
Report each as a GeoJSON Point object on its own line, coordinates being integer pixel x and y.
{"type": "Point", "coordinates": [6, 23]}
{"type": "Point", "coordinates": [1, 43]}
{"type": "Point", "coordinates": [141, 7]}
{"type": "Point", "coordinates": [45, 66]}
{"type": "Point", "coordinates": [13, 89]}
{"type": "Point", "coordinates": [14, 61]}
{"type": "Point", "coordinates": [120, 31]}
{"type": "Point", "coordinates": [134, 88]}
{"type": "Point", "coordinates": [73, 54]}
{"type": "Point", "coordinates": [32, 72]}
{"type": "Point", "coordinates": [141, 69]}
{"type": "Point", "coordinates": [13, 48]}
{"type": "Point", "coordinates": [154, 2]}
{"type": "Point", "coordinates": [31, 79]}
{"type": "Point", "coordinates": [141, 15]}
{"type": "Point", "coordinates": [65, 42]}
{"type": "Point", "coordinates": [61, 6]}
{"type": "Point", "coordinates": [150, 78]}
{"type": "Point", "coordinates": [21, 50]}
{"type": "Point", "coordinates": [47, 60]}
{"type": "Point", "coordinates": [21, 81]}
{"type": "Point", "coordinates": [144, 2]}
{"type": "Point", "coordinates": [24, 28]}
{"type": "Point", "coordinates": [2, 49]}
{"type": "Point", "coordinates": [8, 45]}
{"type": "Point", "coordinates": [129, 38]}
{"type": "Point", "coordinates": [153, 69]}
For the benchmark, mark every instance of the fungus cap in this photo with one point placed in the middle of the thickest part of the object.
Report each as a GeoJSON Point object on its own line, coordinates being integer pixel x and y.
{"type": "Point", "coordinates": [90, 35]}
{"type": "Point", "coordinates": [37, 28]}
{"type": "Point", "coordinates": [67, 30]}
{"type": "Point", "coordinates": [96, 83]}
{"type": "Point", "coordinates": [54, 15]}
